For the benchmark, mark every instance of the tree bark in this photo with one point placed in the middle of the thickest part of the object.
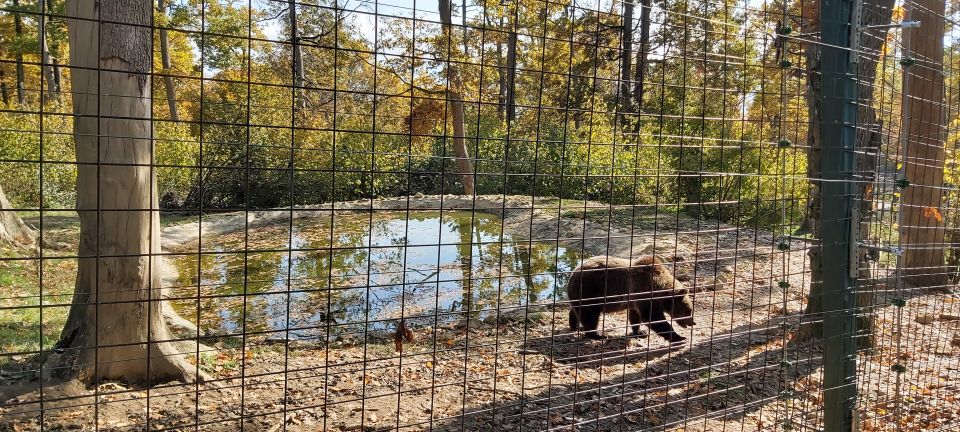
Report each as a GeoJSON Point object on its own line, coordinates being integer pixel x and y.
{"type": "Point", "coordinates": [626, 49]}
{"type": "Point", "coordinates": [641, 68]}
{"type": "Point", "coordinates": [13, 230]}
{"type": "Point", "coordinates": [454, 97]}
{"type": "Point", "coordinates": [922, 227]}
{"type": "Point", "coordinates": [869, 139]}
{"type": "Point", "coordinates": [115, 329]}
{"type": "Point", "coordinates": [21, 75]}
{"type": "Point", "coordinates": [167, 66]}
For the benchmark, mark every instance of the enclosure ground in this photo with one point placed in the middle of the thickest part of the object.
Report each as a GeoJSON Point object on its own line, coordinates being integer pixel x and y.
{"type": "Point", "coordinates": [520, 367]}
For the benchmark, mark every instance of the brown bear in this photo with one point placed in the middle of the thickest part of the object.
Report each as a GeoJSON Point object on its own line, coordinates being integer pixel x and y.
{"type": "Point", "coordinates": [604, 284]}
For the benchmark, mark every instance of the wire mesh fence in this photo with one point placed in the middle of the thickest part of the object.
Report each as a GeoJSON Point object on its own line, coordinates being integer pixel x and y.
{"type": "Point", "coordinates": [478, 215]}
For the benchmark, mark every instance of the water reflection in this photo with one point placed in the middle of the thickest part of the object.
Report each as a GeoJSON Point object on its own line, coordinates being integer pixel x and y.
{"type": "Point", "coordinates": [364, 271]}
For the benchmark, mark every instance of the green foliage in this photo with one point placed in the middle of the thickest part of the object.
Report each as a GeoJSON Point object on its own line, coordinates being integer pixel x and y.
{"type": "Point", "coordinates": [21, 141]}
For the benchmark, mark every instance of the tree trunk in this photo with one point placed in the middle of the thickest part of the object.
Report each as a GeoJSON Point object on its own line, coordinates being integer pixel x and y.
{"type": "Point", "coordinates": [922, 228]}
{"type": "Point", "coordinates": [21, 75]}
{"type": "Point", "coordinates": [464, 165]}
{"type": "Point", "coordinates": [641, 69]}
{"type": "Point", "coordinates": [299, 77]}
{"type": "Point", "coordinates": [501, 80]}
{"type": "Point", "coordinates": [626, 49]}
{"type": "Point", "coordinates": [511, 84]}
{"type": "Point", "coordinates": [165, 62]}
{"type": "Point", "coordinates": [463, 23]}
{"type": "Point", "coordinates": [54, 57]}
{"type": "Point", "coordinates": [13, 230]}
{"type": "Point", "coordinates": [869, 138]}
{"type": "Point", "coordinates": [115, 329]}
{"type": "Point", "coordinates": [49, 63]}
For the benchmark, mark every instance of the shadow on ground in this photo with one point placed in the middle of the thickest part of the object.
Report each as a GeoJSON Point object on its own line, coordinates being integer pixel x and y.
{"type": "Point", "coordinates": [728, 375]}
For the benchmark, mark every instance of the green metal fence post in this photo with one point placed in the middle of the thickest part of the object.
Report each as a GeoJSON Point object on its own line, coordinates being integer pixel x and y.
{"type": "Point", "coordinates": [839, 115]}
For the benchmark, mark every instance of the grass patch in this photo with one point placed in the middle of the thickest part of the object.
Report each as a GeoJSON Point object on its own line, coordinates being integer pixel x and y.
{"type": "Point", "coordinates": [22, 319]}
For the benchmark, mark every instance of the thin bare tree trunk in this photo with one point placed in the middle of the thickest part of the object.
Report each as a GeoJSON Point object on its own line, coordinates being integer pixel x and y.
{"type": "Point", "coordinates": [501, 80]}
{"type": "Point", "coordinates": [167, 66]}
{"type": "Point", "coordinates": [54, 57]}
{"type": "Point", "coordinates": [115, 329]}
{"type": "Point", "coordinates": [641, 68]}
{"type": "Point", "coordinates": [49, 62]}
{"type": "Point", "coordinates": [464, 165]}
{"type": "Point", "coordinates": [21, 75]}
{"type": "Point", "coordinates": [463, 22]}
{"type": "Point", "coordinates": [626, 50]}
{"type": "Point", "coordinates": [299, 76]}
{"type": "Point", "coordinates": [511, 84]}
{"type": "Point", "coordinates": [922, 228]}
{"type": "Point", "coordinates": [12, 229]}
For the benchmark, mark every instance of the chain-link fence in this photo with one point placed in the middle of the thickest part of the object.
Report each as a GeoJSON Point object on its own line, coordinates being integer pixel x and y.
{"type": "Point", "coordinates": [478, 215]}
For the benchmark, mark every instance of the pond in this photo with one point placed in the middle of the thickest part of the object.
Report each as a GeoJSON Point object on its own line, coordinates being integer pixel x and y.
{"type": "Point", "coordinates": [363, 272]}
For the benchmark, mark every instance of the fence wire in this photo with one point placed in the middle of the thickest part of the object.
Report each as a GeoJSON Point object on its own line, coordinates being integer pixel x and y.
{"type": "Point", "coordinates": [479, 215]}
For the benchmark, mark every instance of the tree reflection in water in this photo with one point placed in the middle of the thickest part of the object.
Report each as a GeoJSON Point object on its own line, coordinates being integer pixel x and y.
{"type": "Point", "coordinates": [364, 273]}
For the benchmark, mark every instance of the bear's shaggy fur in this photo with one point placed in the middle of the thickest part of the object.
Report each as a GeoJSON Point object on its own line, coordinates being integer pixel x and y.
{"type": "Point", "coordinates": [605, 284]}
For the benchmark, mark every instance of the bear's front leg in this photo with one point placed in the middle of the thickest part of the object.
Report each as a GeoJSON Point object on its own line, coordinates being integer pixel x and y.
{"type": "Point", "coordinates": [659, 324]}
{"type": "Point", "coordinates": [635, 321]}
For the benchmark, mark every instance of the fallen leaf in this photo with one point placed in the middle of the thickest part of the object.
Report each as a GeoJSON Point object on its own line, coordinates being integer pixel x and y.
{"type": "Point", "coordinates": [929, 212]}
{"type": "Point", "coordinates": [653, 419]}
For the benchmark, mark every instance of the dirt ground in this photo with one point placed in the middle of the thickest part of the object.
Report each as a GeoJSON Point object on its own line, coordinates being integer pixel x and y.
{"type": "Point", "coordinates": [523, 369]}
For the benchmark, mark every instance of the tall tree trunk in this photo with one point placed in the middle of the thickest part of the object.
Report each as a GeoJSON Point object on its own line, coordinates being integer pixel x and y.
{"type": "Point", "coordinates": [21, 75]}
{"type": "Point", "coordinates": [115, 329]}
{"type": "Point", "coordinates": [869, 138]}
{"type": "Point", "coordinates": [466, 34]}
{"type": "Point", "coordinates": [626, 50]}
{"type": "Point", "coordinates": [501, 80]}
{"type": "Point", "coordinates": [49, 63]}
{"type": "Point", "coordinates": [922, 228]}
{"type": "Point", "coordinates": [511, 84]}
{"type": "Point", "coordinates": [299, 76]}
{"type": "Point", "coordinates": [464, 165]}
{"type": "Point", "coordinates": [640, 71]}
{"type": "Point", "coordinates": [165, 62]}
{"type": "Point", "coordinates": [54, 56]}
{"type": "Point", "coordinates": [12, 229]}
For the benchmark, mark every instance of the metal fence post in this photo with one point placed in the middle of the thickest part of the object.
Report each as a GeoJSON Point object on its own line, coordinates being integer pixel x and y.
{"type": "Point", "coordinates": [839, 115]}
